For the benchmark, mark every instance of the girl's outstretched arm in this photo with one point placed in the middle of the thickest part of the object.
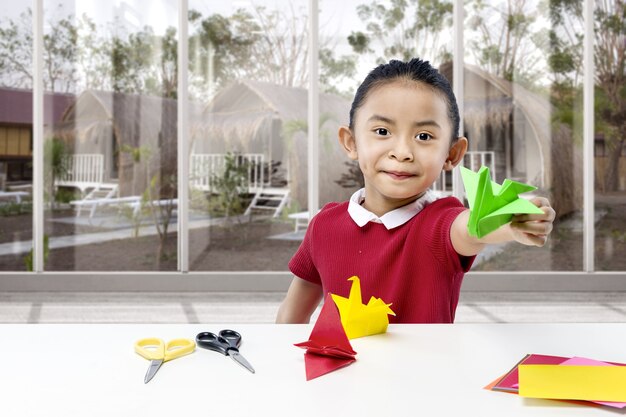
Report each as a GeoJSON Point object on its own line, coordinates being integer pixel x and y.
{"type": "Point", "coordinates": [527, 229]}
{"type": "Point", "coordinates": [302, 299]}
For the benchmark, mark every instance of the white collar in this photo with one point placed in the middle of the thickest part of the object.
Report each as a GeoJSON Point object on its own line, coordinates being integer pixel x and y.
{"type": "Point", "coordinates": [394, 218]}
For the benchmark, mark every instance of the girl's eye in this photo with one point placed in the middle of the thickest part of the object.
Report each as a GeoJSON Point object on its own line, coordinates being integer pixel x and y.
{"type": "Point", "coordinates": [423, 137]}
{"type": "Point", "coordinates": [381, 131]}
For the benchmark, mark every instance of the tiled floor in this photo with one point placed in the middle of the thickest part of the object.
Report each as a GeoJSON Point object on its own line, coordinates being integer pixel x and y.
{"type": "Point", "coordinates": [261, 307]}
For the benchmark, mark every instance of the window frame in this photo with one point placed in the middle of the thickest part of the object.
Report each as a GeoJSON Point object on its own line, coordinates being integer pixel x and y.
{"type": "Point", "coordinates": [184, 280]}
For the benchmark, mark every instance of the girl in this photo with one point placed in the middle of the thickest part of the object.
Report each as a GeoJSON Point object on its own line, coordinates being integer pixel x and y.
{"type": "Point", "coordinates": [406, 246]}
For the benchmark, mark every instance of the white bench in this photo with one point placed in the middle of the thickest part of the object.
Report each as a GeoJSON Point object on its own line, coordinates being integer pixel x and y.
{"type": "Point", "coordinates": [136, 205]}
{"type": "Point", "coordinates": [133, 202]}
{"type": "Point", "coordinates": [93, 204]}
{"type": "Point", "coordinates": [84, 171]}
{"type": "Point", "coordinates": [301, 220]}
{"type": "Point", "coordinates": [14, 194]}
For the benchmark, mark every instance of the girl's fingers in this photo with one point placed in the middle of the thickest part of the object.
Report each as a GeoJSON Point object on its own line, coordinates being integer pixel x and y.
{"type": "Point", "coordinates": [534, 228]}
{"type": "Point", "coordinates": [548, 215]}
{"type": "Point", "coordinates": [537, 240]}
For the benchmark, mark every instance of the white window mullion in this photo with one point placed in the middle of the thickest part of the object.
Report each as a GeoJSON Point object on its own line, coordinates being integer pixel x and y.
{"type": "Point", "coordinates": [588, 139]}
{"type": "Point", "coordinates": [38, 141]}
{"type": "Point", "coordinates": [313, 109]}
{"type": "Point", "coordinates": [183, 138]}
{"type": "Point", "coordinates": [458, 60]}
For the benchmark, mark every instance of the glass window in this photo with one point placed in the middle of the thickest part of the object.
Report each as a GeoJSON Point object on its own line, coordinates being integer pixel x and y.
{"type": "Point", "coordinates": [110, 147]}
{"type": "Point", "coordinates": [356, 36]}
{"type": "Point", "coordinates": [523, 116]}
{"type": "Point", "coordinates": [610, 134]}
{"type": "Point", "coordinates": [16, 152]}
{"type": "Point", "coordinates": [110, 124]}
{"type": "Point", "coordinates": [248, 83]}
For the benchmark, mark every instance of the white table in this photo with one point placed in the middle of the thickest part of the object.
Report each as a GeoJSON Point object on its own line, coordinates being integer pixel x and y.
{"type": "Point", "coordinates": [421, 370]}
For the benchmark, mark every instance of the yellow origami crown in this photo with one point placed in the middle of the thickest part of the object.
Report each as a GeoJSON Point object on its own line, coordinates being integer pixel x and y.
{"type": "Point", "coordinates": [358, 319]}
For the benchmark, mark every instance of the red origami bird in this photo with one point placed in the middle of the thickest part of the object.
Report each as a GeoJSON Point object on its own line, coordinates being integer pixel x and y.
{"type": "Point", "coordinates": [328, 347]}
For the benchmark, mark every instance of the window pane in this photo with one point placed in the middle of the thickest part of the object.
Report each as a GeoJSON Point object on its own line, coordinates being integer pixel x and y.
{"type": "Point", "coordinates": [110, 158]}
{"type": "Point", "coordinates": [16, 122]}
{"type": "Point", "coordinates": [610, 134]}
{"type": "Point", "coordinates": [355, 37]}
{"type": "Point", "coordinates": [248, 80]}
{"type": "Point", "coordinates": [523, 116]}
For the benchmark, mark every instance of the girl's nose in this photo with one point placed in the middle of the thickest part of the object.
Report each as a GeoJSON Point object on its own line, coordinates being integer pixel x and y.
{"type": "Point", "coordinates": [401, 151]}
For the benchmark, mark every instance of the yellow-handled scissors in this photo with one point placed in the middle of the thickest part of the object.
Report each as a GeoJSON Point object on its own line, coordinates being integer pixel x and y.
{"type": "Point", "coordinates": [157, 352]}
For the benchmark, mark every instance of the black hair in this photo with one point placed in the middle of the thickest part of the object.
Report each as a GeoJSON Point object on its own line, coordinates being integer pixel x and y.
{"type": "Point", "coordinates": [414, 70]}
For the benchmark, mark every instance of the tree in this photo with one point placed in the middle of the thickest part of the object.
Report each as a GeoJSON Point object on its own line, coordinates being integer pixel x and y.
{"type": "Point", "coordinates": [403, 29]}
{"type": "Point", "coordinates": [131, 60]}
{"type": "Point", "coordinates": [60, 53]}
{"type": "Point", "coordinates": [16, 51]}
{"type": "Point", "coordinates": [218, 49]}
{"type": "Point", "coordinates": [504, 41]}
{"type": "Point", "coordinates": [610, 76]}
{"type": "Point", "coordinates": [258, 44]}
{"type": "Point", "coordinates": [610, 70]}
{"type": "Point", "coordinates": [335, 70]}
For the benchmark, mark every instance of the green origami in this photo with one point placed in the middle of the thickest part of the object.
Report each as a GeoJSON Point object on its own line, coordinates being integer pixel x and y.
{"type": "Point", "coordinates": [491, 204]}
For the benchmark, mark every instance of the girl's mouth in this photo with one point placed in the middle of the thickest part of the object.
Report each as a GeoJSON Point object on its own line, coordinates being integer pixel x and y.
{"type": "Point", "coordinates": [399, 175]}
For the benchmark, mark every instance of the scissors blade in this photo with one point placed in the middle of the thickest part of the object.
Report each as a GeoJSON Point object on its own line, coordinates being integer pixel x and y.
{"type": "Point", "coordinates": [240, 360]}
{"type": "Point", "coordinates": [152, 370]}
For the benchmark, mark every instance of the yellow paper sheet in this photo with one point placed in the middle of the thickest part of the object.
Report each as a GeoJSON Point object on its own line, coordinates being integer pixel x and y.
{"type": "Point", "coordinates": [590, 383]}
{"type": "Point", "coordinates": [360, 320]}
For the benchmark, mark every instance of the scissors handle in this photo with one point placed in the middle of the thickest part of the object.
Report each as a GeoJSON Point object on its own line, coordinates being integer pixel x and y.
{"type": "Point", "coordinates": [226, 341]}
{"type": "Point", "coordinates": [150, 348]}
{"type": "Point", "coordinates": [232, 337]}
{"type": "Point", "coordinates": [176, 348]}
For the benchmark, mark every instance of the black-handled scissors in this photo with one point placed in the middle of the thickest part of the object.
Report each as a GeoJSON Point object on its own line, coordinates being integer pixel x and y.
{"type": "Point", "coordinates": [226, 342]}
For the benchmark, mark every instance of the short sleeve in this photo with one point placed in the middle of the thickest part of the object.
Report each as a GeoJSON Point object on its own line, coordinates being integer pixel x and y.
{"type": "Point", "coordinates": [301, 264]}
{"type": "Point", "coordinates": [441, 215]}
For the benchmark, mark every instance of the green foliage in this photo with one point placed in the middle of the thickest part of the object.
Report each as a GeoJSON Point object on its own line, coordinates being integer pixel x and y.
{"type": "Point", "coordinates": [12, 208]}
{"type": "Point", "coordinates": [505, 47]}
{"type": "Point", "coordinates": [619, 235]}
{"type": "Point", "coordinates": [65, 195]}
{"type": "Point", "coordinates": [359, 42]}
{"type": "Point", "coordinates": [610, 73]}
{"type": "Point", "coordinates": [291, 127]}
{"type": "Point", "coordinates": [404, 28]}
{"type": "Point", "coordinates": [28, 259]}
{"type": "Point", "coordinates": [78, 55]}
{"type": "Point", "coordinates": [335, 70]}
{"type": "Point", "coordinates": [56, 164]}
{"type": "Point", "coordinates": [221, 45]}
{"type": "Point", "coordinates": [60, 46]}
{"type": "Point", "coordinates": [137, 153]}
{"type": "Point", "coordinates": [229, 186]}
{"type": "Point", "coordinates": [353, 179]}
{"type": "Point", "coordinates": [292, 207]}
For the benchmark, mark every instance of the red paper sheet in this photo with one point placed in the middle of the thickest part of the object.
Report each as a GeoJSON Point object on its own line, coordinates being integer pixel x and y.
{"type": "Point", "coordinates": [509, 381]}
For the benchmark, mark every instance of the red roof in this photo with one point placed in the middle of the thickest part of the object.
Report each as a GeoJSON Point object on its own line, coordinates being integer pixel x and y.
{"type": "Point", "coordinates": [16, 106]}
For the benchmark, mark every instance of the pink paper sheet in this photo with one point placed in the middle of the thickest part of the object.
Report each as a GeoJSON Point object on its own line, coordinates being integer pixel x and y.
{"type": "Point", "coordinates": [591, 362]}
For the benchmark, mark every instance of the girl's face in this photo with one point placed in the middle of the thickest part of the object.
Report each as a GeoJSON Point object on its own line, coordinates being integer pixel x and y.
{"type": "Point", "coordinates": [401, 139]}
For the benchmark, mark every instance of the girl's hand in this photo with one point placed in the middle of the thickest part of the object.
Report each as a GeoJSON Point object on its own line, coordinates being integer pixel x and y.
{"type": "Point", "coordinates": [533, 229]}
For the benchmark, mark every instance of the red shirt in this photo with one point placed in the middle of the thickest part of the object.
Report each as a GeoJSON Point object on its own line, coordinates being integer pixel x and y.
{"type": "Point", "coordinates": [413, 266]}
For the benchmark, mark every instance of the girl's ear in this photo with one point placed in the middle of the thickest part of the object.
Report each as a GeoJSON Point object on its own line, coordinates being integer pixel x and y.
{"type": "Point", "coordinates": [455, 154]}
{"type": "Point", "coordinates": [347, 142]}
